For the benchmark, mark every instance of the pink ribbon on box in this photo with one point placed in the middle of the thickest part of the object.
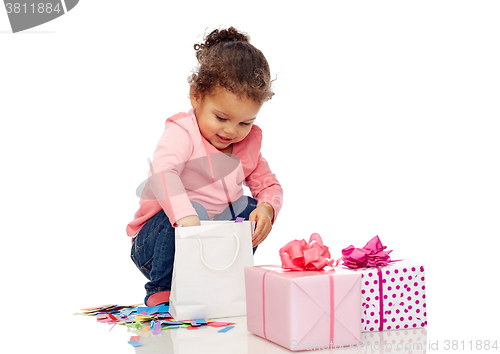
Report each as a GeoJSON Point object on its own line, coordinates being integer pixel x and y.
{"type": "Point", "coordinates": [372, 255]}
{"type": "Point", "coordinates": [302, 255]}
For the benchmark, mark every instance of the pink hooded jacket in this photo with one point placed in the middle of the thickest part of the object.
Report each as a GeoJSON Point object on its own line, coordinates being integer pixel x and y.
{"type": "Point", "coordinates": [186, 167]}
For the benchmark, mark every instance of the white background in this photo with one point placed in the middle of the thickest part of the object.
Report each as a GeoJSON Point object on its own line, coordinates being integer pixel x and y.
{"type": "Point", "coordinates": [385, 122]}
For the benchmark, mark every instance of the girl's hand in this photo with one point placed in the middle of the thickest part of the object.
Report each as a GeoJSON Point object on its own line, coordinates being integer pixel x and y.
{"type": "Point", "coordinates": [262, 215]}
{"type": "Point", "coordinates": [187, 221]}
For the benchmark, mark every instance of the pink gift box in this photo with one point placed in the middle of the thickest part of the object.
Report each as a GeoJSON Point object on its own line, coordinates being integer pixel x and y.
{"type": "Point", "coordinates": [304, 310]}
{"type": "Point", "coordinates": [397, 289]}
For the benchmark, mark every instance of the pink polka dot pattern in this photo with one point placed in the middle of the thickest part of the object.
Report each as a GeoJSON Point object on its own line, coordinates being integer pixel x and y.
{"type": "Point", "coordinates": [403, 297]}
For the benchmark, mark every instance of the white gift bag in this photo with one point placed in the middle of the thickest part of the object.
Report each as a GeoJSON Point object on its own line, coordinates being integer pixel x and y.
{"type": "Point", "coordinates": [208, 279]}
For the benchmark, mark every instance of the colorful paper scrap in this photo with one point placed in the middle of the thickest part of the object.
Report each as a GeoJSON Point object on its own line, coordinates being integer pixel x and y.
{"type": "Point", "coordinates": [157, 328]}
{"type": "Point", "coordinates": [224, 330]}
{"type": "Point", "coordinates": [134, 343]}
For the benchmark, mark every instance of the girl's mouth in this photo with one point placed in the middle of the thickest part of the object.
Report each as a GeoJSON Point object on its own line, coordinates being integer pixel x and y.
{"type": "Point", "coordinates": [223, 140]}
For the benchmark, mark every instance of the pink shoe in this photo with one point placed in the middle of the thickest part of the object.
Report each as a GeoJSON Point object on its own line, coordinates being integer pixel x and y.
{"type": "Point", "coordinates": [163, 297]}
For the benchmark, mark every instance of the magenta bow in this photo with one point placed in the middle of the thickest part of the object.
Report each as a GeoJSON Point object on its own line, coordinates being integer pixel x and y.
{"type": "Point", "coordinates": [300, 255]}
{"type": "Point", "coordinates": [371, 255]}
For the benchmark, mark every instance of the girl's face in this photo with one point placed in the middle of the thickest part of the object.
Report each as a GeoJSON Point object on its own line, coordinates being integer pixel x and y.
{"type": "Point", "coordinates": [224, 118]}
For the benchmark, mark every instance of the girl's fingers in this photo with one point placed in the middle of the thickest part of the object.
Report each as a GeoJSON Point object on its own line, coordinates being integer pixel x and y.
{"type": "Point", "coordinates": [262, 229]}
{"type": "Point", "coordinates": [256, 235]}
{"type": "Point", "coordinates": [261, 236]}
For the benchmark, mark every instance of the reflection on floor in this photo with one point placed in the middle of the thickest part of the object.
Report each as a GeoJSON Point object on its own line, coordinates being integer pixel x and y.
{"type": "Point", "coordinates": [238, 340]}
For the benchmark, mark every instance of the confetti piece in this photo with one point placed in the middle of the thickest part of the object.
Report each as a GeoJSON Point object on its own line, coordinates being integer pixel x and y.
{"type": "Point", "coordinates": [172, 323]}
{"type": "Point", "coordinates": [162, 309]}
{"type": "Point", "coordinates": [127, 312]}
{"type": "Point", "coordinates": [239, 219]}
{"type": "Point", "coordinates": [157, 328]}
{"type": "Point", "coordinates": [142, 318]}
{"type": "Point", "coordinates": [135, 343]}
{"type": "Point", "coordinates": [136, 338]}
{"type": "Point", "coordinates": [219, 324]}
{"type": "Point", "coordinates": [164, 315]}
{"type": "Point", "coordinates": [224, 330]}
{"type": "Point", "coordinates": [201, 320]}
{"type": "Point", "coordinates": [192, 327]}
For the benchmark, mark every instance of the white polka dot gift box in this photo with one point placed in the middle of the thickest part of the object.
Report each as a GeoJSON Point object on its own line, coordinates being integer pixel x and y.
{"type": "Point", "coordinates": [392, 292]}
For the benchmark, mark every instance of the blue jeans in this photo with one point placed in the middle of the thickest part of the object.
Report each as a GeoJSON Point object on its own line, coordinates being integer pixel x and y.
{"type": "Point", "coordinates": [154, 247]}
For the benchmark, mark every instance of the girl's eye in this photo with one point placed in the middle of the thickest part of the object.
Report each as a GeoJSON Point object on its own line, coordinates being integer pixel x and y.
{"type": "Point", "coordinates": [245, 123]}
{"type": "Point", "coordinates": [221, 119]}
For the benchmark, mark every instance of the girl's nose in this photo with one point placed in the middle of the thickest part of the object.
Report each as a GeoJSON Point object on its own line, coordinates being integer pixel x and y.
{"type": "Point", "coordinates": [230, 130]}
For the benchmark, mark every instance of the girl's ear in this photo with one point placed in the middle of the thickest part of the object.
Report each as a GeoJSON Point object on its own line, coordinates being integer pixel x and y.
{"type": "Point", "coordinates": [195, 97]}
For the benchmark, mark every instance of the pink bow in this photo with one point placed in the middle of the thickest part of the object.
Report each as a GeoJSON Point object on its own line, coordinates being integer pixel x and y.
{"type": "Point", "coordinates": [300, 255]}
{"type": "Point", "coordinates": [371, 255]}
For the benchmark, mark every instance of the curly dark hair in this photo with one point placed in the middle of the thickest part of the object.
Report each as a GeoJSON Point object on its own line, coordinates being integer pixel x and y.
{"type": "Point", "coordinates": [228, 60]}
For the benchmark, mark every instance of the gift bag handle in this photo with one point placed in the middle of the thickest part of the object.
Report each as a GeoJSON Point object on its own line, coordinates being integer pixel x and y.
{"type": "Point", "coordinates": [230, 264]}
